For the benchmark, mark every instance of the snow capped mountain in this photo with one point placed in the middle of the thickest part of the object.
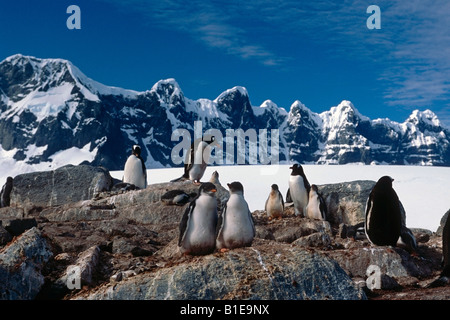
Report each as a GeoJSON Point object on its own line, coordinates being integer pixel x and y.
{"type": "Point", "coordinates": [52, 114]}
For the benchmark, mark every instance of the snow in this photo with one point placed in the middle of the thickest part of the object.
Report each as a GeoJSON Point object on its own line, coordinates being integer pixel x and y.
{"type": "Point", "coordinates": [423, 190]}
{"type": "Point", "coordinates": [241, 90]}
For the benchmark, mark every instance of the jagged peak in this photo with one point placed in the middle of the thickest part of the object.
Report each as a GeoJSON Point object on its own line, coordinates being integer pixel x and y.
{"type": "Point", "coordinates": [169, 88]}
{"type": "Point", "coordinates": [238, 89]}
{"type": "Point", "coordinates": [427, 116]}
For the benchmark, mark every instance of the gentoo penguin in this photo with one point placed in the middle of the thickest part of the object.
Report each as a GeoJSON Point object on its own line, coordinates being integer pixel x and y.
{"type": "Point", "coordinates": [215, 178]}
{"type": "Point", "coordinates": [197, 160]}
{"type": "Point", "coordinates": [383, 221]}
{"type": "Point", "coordinates": [135, 171]}
{"type": "Point", "coordinates": [299, 189]}
{"type": "Point", "coordinates": [5, 193]}
{"type": "Point", "coordinates": [316, 207]}
{"type": "Point", "coordinates": [177, 197]}
{"type": "Point", "coordinates": [199, 222]}
{"type": "Point", "coordinates": [446, 248]}
{"type": "Point", "coordinates": [235, 228]}
{"type": "Point", "coordinates": [407, 239]}
{"type": "Point", "coordinates": [274, 204]}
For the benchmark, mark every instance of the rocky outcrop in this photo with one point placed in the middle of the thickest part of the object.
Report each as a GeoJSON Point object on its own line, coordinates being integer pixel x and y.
{"type": "Point", "coordinates": [126, 243]}
{"type": "Point", "coordinates": [64, 185]}
{"type": "Point", "coordinates": [21, 265]}
{"type": "Point", "coordinates": [267, 270]}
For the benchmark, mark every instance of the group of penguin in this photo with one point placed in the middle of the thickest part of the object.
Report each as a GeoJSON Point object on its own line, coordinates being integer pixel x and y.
{"type": "Point", "coordinates": [202, 228]}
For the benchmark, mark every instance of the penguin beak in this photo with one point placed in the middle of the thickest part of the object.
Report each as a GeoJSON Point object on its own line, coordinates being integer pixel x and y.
{"type": "Point", "coordinates": [213, 190]}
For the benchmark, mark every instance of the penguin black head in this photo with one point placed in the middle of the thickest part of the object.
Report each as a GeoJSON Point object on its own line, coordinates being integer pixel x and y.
{"type": "Point", "coordinates": [274, 187]}
{"type": "Point", "coordinates": [297, 170]}
{"type": "Point", "coordinates": [136, 150]}
{"type": "Point", "coordinates": [235, 187]}
{"type": "Point", "coordinates": [211, 140]}
{"type": "Point", "coordinates": [384, 183]}
{"type": "Point", "coordinates": [314, 188]}
{"type": "Point", "coordinates": [208, 188]}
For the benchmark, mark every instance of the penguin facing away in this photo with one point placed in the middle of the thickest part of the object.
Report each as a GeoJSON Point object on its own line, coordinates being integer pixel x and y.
{"type": "Point", "coordinates": [383, 221]}
{"type": "Point", "coordinates": [135, 171]}
{"type": "Point", "coordinates": [274, 204]}
{"type": "Point", "coordinates": [299, 189]}
{"type": "Point", "coordinates": [446, 248]}
{"type": "Point", "coordinates": [316, 207]}
{"type": "Point", "coordinates": [235, 228]}
{"type": "Point", "coordinates": [197, 160]}
{"type": "Point", "coordinates": [198, 224]}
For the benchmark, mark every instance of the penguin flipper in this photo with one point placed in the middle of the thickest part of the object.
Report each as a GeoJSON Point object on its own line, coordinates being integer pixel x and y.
{"type": "Point", "coordinates": [281, 197]}
{"type": "Point", "coordinates": [184, 223]}
{"type": "Point", "coordinates": [220, 224]}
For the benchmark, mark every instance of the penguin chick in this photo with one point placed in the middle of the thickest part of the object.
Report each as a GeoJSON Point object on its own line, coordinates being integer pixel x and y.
{"type": "Point", "coordinates": [198, 225]}
{"type": "Point", "coordinates": [215, 178]}
{"type": "Point", "coordinates": [316, 207]}
{"type": "Point", "coordinates": [235, 228]}
{"type": "Point", "coordinates": [274, 204]}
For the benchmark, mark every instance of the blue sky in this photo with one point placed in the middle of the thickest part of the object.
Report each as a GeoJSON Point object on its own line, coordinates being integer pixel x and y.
{"type": "Point", "coordinates": [318, 52]}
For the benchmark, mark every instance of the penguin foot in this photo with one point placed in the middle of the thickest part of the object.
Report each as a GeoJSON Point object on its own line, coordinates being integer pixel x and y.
{"type": "Point", "coordinates": [223, 250]}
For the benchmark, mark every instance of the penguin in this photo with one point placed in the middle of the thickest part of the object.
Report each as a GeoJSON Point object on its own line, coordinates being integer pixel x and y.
{"type": "Point", "coordinates": [215, 178]}
{"type": "Point", "coordinates": [407, 239]}
{"type": "Point", "coordinates": [274, 204]}
{"type": "Point", "coordinates": [135, 171]}
{"type": "Point", "coordinates": [446, 248]}
{"type": "Point", "coordinates": [197, 160]}
{"type": "Point", "coordinates": [383, 220]}
{"type": "Point", "coordinates": [198, 225]}
{"type": "Point", "coordinates": [316, 207]}
{"type": "Point", "coordinates": [444, 277]}
{"type": "Point", "coordinates": [177, 197]}
{"type": "Point", "coordinates": [6, 192]}
{"type": "Point", "coordinates": [235, 228]}
{"type": "Point", "coordinates": [298, 189]}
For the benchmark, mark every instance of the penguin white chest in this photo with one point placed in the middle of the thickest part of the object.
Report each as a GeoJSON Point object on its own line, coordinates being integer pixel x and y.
{"type": "Point", "coordinates": [299, 194]}
{"type": "Point", "coordinates": [313, 207]}
{"type": "Point", "coordinates": [202, 226]}
{"type": "Point", "coordinates": [238, 225]}
{"type": "Point", "coordinates": [133, 172]}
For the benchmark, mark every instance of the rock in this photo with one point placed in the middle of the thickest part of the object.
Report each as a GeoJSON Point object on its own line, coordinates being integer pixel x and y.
{"type": "Point", "coordinates": [393, 262]}
{"type": "Point", "coordinates": [64, 185]}
{"type": "Point", "coordinates": [21, 264]}
{"type": "Point", "coordinates": [267, 270]}
{"type": "Point", "coordinates": [346, 202]}
{"type": "Point", "coordinates": [81, 272]}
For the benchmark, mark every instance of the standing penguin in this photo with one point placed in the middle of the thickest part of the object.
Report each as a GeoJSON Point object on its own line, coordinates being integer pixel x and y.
{"type": "Point", "coordinates": [235, 228]}
{"type": "Point", "coordinates": [197, 160]}
{"type": "Point", "coordinates": [383, 220]}
{"type": "Point", "coordinates": [316, 207]}
{"type": "Point", "coordinates": [215, 178]}
{"type": "Point", "coordinates": [274, 204]}
{"type": "Point", "coordinates": [446, 248]}
{"type": "Point", "coordinates": [198, 224]}
{"type": "Point", "coordinates": [298, 189]}
{"type": "Point", "coordinates": [135, 171]}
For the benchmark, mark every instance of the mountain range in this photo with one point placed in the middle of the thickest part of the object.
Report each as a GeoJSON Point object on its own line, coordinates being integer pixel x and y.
{"type": "Point", "coordinates": [51, 114]}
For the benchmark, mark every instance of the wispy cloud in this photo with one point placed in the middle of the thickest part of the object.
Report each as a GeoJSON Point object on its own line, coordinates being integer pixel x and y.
{"type": "Point", "coordinates": [212, 23]}
{"type": "Point", "coordinates": [411, 51]}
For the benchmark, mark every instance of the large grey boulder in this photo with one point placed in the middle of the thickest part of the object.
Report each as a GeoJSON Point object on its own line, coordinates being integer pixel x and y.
{"type": "Point", "coordinates": [21, 263]}
{"type": "Point", "coordinates": [64, 185]}
{"type": "Point", "coordinates": [267, 270]}
{"type": "Point", "coordinates": [346, 201]}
